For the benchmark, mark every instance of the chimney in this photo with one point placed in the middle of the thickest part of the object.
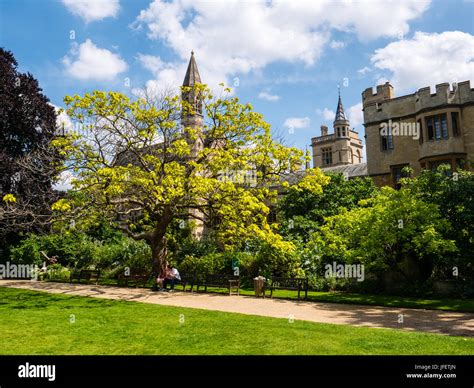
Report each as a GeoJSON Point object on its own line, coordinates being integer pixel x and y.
{"type": "Point", "coordinates": [324, 130]}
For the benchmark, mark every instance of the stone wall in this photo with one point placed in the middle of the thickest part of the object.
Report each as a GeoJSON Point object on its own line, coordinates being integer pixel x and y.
{"type": "Point", "coordinates": [384, 108]}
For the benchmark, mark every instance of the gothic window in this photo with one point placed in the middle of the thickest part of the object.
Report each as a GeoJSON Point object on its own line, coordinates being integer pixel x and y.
{"type": "Point", "coordinates": [444, 127]}
{"type": "Point", "coordinates": [429, 125]}
{"type": "Point", "coordinates": [455, 124]}
{"type": "Point", "coordinates": [420, 128]}
{"type": "Point", "coordinates": [437, 127]}
{"type": "Point", "coordinates": [397, 174]}
{"type": "Point", "coordinates": [326, 156]}
{"type": "Point", "coordinates": [387, 140]}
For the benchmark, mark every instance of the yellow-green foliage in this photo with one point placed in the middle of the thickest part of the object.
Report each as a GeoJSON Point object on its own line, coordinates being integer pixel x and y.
{"type": "Point", "coordinates": [384, 230]}
{"type": "Point", "coordinates": [9, 198]}
{"type": "Point", "coordinates": [166, 174]}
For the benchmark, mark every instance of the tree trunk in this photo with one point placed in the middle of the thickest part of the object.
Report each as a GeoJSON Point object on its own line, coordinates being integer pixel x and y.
{"type": "Point", "coordinates": [158, 241]}
{"type": "Point", "coordinates": [159, 252]}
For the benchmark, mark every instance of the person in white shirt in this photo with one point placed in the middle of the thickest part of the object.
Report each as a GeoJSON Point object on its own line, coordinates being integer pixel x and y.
{"type": "Point", "coordinates": [172, 278]}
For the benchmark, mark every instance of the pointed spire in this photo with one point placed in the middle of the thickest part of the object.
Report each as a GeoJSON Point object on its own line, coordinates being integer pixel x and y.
{"type": "Point", "coordinates": [192, 74]}
{"type": "Point", "coordinates": [308, 163]}
{"type": "Point", "coordinates": [340, 114]}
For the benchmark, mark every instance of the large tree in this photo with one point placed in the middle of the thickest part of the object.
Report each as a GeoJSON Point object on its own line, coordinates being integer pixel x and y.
{"type": "Point", "coordinates": [303, 210]}
{"type": "Point", "coordinates": [394, 231]}
{"type": "Point", "coordinates": [142, 164]}
{"type": "Point", "coordinates": [28, 165]}
{"type": "Point", "coordinates": [453, 192]}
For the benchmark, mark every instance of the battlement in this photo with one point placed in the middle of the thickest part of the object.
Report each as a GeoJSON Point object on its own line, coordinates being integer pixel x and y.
{"type": "Point", "coordinates": [380, 106]}
{"type": "Point", "coordinates": [384, 92]}
{"type": "Point", "coordinates": [446, 92]}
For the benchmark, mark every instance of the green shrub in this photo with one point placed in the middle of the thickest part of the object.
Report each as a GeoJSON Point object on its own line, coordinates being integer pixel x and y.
{"type": "Point", "coordinates": [28, 251]}
{"type": "Point", "coordinates": [79, 250]}
{"type": "Point", "coordinates": [56, 272]}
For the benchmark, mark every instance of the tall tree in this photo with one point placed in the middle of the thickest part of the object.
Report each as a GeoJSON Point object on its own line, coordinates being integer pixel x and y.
{"type": "Point", "coordinates": [303, 210]}
{"type": "Point", "coordinates": [28, 164]}
{"type": "Point", "coordinates": [453, 192]}
{"type": "Point", "coordinates": [141, 165]}
{"type": "Point", "coordinates": [394, 231]}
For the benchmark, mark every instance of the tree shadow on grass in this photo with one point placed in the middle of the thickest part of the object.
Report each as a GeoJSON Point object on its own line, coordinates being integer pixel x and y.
{"type": "Point", "coordinates": [429, 321]}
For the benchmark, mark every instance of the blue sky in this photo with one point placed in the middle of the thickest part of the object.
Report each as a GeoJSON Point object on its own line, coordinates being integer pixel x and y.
{"type": "Point", "coordinates": [285, 57]}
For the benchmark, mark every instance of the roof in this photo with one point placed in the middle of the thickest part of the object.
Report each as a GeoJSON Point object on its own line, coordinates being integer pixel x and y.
{"type": "Point", "coordinates": [340, 114]}
{"type": "Point", "coordinates": [192, 73]}
{"type": "Point", "coordinates": [350, 170]}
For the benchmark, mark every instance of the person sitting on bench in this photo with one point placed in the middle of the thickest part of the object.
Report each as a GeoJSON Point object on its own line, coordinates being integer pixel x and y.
{"type": "Point", "coordinates": [172, 277]}
{"type": "Point", "coordinates": [164, 274]}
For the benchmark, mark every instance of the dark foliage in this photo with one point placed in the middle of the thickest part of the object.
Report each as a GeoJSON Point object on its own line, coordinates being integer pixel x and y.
{"type": "Point", "coordinates": [28, 164]}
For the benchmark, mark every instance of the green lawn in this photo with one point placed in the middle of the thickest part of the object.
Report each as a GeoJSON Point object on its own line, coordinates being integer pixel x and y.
{"type": "Point", "coordinates": [39, 323]}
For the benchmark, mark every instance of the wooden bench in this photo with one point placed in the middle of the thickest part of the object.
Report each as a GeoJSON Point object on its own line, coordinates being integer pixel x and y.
{"type": "Point", "coordinates": [293, 284]}
{"type": "Point", "coordinates": [124, 280]}
{"type": "Point", "coordinates": [223, 281]}
{"type": "Point", "coordinates": [186, 278]}
{"type": "Point", "coordinates": [85, 274]}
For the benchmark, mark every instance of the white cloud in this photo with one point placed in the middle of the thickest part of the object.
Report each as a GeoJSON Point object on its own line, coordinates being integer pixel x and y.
{"type": "Point", "coordinates": [355, 115]}
{"type": "Point", "coordinates": [89, 62]}
{"type": "Point", "coordinates": [168, 76]}
{"type": "Point", "coordinates": [268, 96]}
{"type": "Point", "coordinates": [327, 114]}
{"type": "Point", "coordinates": [64, 182]}
{"type": "Point", "coordinates": [91, 10]}
{"type": "Point", "coordinates": [427, 59]}
{"type": "Point", "coordinates": [63, 121]}
{"type": "Point", "coordinates": [364, 70]}
{"type": "Point", "coordinates": [337, 44]}
{"type": "Point", "coordinates": [234, 38]}
{"type": "Point", "coordinates": [297, 122]}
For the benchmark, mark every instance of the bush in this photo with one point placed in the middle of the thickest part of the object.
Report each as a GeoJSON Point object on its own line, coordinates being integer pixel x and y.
{"type": "Point", "coordinates": [79, 250]}
{"type": "Point", "coordinates": [56, 272]}
{"type": "Point", "coordinates": [210, 263]}
{"type": "Point", "coordinates": [76, 250]}
{"type": "Point", "coordinates": [28, 251]}
{"type": "Point", "coordinates": [126, 254]}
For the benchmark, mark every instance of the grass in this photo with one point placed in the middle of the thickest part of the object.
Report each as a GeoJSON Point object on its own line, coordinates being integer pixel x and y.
{"type": "Point", "coordinates": [39, 323]}
{"type": "Point", "coordinates": [445, 304]}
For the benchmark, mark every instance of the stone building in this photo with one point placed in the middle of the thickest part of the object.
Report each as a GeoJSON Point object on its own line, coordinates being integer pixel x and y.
{"type": "Point", "coordinates": [420, 130]}
{"type": "Point", "coordinates": [332, 152]}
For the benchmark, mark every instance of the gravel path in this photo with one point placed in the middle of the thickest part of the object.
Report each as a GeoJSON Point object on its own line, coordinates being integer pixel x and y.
{"type": "Point", "coordinates": [434, 321]}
